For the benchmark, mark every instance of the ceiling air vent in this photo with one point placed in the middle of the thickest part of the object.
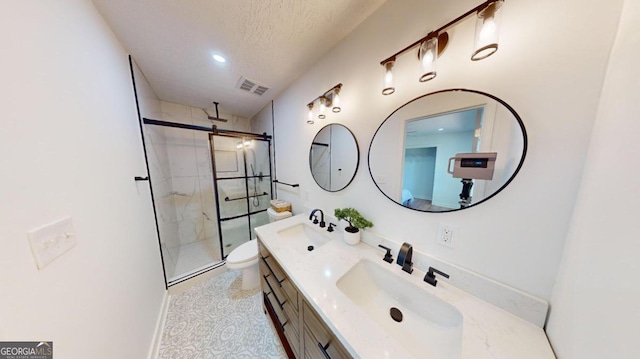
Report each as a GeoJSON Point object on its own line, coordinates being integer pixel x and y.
{"type": "Point", "coordinates": [260, 90]}
{"type": "Point", "coordinates": [251, 86]}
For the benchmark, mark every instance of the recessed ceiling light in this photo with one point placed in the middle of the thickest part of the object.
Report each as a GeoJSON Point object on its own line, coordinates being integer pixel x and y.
{"type": "Point", "coordinates": [219, 58]}
{"type": "Point", "coordinates": [441, 129]}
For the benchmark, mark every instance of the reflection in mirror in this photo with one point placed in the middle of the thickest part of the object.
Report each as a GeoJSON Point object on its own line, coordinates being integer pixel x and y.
{"type": "Point", "coordinates": [448, 150]}
{"type": "Point", "coordinates": [334, 157]}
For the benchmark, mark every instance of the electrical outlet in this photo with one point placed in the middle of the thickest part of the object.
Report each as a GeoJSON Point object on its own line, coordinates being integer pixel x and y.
{"type": "Point", "coordinates": [52, 241]}
{"type": "Point", "coordinates": [445, 235]}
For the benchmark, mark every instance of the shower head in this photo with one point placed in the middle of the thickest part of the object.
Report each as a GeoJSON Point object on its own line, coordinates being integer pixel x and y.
{"type": "Point", "coordinates": [217, 118]}
{"type": "Point", "coordinates": [211, 118]}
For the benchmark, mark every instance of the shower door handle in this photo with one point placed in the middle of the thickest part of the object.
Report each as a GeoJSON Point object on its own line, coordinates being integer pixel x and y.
{"type": "Point", "coordinates": [138, 178]}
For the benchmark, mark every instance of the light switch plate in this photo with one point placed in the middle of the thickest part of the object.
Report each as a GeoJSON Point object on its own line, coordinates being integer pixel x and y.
{"type": "Point", "coordinates": [51, 241]}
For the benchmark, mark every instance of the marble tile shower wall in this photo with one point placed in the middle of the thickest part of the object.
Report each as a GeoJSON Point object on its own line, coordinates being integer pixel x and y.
{"type": "Point", "coordinates": [186, 205]}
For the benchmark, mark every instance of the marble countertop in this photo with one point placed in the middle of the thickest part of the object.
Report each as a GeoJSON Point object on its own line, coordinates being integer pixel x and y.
{"type": "Point", "coordinates": [488, 331]}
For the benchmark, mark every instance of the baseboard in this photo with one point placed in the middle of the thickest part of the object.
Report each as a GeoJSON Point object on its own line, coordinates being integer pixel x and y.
{"type": "Point", "coordinates": [157, 334]}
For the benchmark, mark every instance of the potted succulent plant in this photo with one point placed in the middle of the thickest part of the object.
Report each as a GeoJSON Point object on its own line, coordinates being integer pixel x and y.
{"type": "Point", "coordinates": [356, 223]}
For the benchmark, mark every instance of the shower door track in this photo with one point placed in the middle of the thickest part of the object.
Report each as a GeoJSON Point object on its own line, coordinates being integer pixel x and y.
{"type": "Point", "coordinates": [148, 121]}
{"type": "Point", "coordinates": [196, 272]}
{"type": "Point", "coordinates": [213, 129]}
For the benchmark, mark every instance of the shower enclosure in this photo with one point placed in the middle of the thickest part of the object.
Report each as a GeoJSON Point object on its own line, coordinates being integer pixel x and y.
{"type": "Point", "coordinates": [211, 188]}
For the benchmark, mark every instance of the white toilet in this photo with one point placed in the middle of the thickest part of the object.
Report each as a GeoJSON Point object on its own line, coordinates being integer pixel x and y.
{"type": "Point", "coordinates": [245, 256]}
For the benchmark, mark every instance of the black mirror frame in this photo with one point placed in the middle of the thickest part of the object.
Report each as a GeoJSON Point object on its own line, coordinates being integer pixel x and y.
{"type": "Point", "coordinates": [357, 157]}
{"type": "Point", "coordinates": [506, 105]}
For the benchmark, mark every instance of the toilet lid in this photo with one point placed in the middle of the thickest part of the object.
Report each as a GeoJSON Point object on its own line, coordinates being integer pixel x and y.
{"type": "Point", "coordinates": [243, 253]}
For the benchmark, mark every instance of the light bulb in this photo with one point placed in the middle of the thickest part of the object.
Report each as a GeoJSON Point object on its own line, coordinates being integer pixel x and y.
{"type": "Point", "coordinates": [388, 79]}
{"type": "Point", "coordinates": [488, 31]}
{"type": "Point", "coordinates": [219, 58]}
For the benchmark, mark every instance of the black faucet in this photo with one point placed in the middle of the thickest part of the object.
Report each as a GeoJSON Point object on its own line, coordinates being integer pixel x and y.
{"type": "Point", "coordinates": [431, 278]}
{"type": "Point", "coordinates": [404, 257]}
{"type": "Point", "coordinates": [312, 215]}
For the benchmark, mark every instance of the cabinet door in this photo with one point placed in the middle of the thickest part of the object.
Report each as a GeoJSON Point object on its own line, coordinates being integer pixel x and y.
{"type": "Point", "coordinates": [282, 297]}
{"type": "Point", "coordinates": [319, 341]}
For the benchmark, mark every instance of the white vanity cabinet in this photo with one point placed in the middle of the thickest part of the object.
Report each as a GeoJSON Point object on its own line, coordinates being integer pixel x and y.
{"type": "Point", "coordinates": [302, 332]}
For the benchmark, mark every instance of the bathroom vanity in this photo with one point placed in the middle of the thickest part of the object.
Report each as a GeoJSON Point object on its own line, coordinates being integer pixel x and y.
{"type": "Point", "coordinates": [306, 334]}
{"type": "Point", "coordinates": [332, 300]}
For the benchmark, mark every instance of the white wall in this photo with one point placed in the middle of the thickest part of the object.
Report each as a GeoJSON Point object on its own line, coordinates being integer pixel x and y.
{"type": "Point", "coordinates": [547, 68]}
{"type": "Point", "coordinates": [595, 312]}
{"type": "Point", "coordinates": [70, 146]}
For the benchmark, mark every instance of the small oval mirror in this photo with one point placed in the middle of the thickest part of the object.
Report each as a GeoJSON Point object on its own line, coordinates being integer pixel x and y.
{"type": "Point", "coordinates": [448, 150]}
{"type": "Point", "coordinates": [334, 157]}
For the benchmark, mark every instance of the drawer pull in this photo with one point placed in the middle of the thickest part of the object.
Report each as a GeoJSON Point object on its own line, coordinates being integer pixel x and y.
{"type": "Point", "coordinates": [323, 349]}
{"type": "Point", "coordinates": [274, 293]}
{"type": "Point", "coordinates": [271, 270]}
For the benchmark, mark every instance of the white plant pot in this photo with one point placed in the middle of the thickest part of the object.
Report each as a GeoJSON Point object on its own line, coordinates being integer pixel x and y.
{"type": "Point", "coordinates": [352, 238]}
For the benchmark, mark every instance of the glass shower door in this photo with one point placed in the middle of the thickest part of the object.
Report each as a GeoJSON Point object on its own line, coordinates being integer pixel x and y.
{"type": "Point", "coordinates": [259, 182]}
{"type": "Point", "coordinates": [242, 178]}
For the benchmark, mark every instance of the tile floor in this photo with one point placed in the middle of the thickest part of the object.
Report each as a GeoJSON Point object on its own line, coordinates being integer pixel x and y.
{"type": "Point", "coordinates": [192, 256]}
{"type": "Point", "coordinates": [217, 319]}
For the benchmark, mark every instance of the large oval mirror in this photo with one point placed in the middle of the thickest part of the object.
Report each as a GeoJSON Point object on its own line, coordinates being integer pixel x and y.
{"type": "Point", "coordinates": [447, 150]}
{"type": "Point", "coordinates": [334, 157]}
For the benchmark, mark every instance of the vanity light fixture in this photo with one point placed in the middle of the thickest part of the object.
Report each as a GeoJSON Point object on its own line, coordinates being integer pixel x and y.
{"type": "Point", "coordinates": [330, 98]}
{"type": "Point", "coordinates": [433, 45]}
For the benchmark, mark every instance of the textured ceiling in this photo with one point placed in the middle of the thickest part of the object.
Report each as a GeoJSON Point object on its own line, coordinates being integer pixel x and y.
{"type": "Point", "coordinates": [271, 42]}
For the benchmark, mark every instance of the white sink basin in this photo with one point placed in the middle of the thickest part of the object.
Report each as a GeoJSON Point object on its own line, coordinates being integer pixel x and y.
{"type": "Point", "coordinates": [430, 327]}
{"type": "Point", "coordinates": [305, 234]}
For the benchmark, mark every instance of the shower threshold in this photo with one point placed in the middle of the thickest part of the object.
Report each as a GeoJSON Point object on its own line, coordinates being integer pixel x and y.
{"type": "Point", "coordinates": [195, 272]}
